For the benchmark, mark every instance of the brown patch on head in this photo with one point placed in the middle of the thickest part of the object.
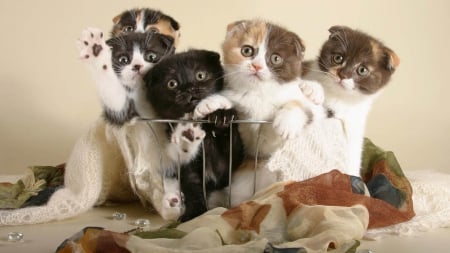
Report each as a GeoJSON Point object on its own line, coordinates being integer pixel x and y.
{"type": "Point", "coordinates": [247, 216]}
{"type": "Point", "coordinates": [153, 20]}
{"type": "Point", "coordinates": [290, 47]}
{"type": "Point", "coordinates": [165, 27]}
{"type": "Point", "coordinates": [281, 44]}
{"type": "Point", "coordinates": [359, 51]}
{"type": "Point", "coordinates": [240, 33]}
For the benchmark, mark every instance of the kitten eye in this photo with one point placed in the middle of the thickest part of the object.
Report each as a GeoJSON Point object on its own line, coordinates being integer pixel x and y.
{"type": "Point", "coordinates": [172, 84]}
{"type": "Point", "coordinates": [151, 57]}
{"type": "Point", "coordinates": [247, 51]}
{"type": "Point", "coordinates": [128, 28]}
{"type": "Point", "coordinates": [124, 60]}
{"type": "Point", "coordinates": [362, 71]}
{"type": "Point", "coordinates": [200, 76]}
{"type": "Point", "coordinates": [276, 59]}
{"type": "Point", "coordinates": [338, 59]}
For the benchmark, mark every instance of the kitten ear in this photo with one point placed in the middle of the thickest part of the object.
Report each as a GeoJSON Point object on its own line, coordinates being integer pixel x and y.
{"type": "Point", "coordinates": [213, 56]}
{"type": "Point", "coordinates": [392, 60]}
{"type": "Point", "coordinates": [168, 41]}
{"type": "Point", "coordinates": [235, 26]}
{"type": "Point", "coordinates": [111, 42]}
{"type": "Point", "coordinates": [299, 45]}
{"type": "Point", "coordinates": [337, 29]}
{"type": "Point", "coordinates": [175, 25]}
{"type": "Point", "coordinates": [117, 18]}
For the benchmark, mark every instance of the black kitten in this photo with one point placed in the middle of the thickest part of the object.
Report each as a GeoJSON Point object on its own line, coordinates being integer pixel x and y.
{"type": "Point", "coordinates": [174, 87]}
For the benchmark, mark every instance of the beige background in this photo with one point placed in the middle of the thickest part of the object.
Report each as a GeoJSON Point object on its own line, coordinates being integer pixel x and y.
{"type": "Point", "coordinates": [47, 98]}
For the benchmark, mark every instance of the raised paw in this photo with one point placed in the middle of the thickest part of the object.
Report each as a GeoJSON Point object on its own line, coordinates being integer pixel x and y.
{"type": "Point", "coordinates": [289, 122]}
{"type": "Point", "coordinates": [211, 104]}
{"type": "Point", "coordinates": [186, 138]}
{"type": "Point", "coordinates": [91, 44]}
{"type": "Point", "coordinates": [313, 91]}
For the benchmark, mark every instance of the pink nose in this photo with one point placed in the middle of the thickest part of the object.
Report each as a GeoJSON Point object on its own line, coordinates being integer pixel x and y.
{"type": "Point", "coordinates": [256, 67]}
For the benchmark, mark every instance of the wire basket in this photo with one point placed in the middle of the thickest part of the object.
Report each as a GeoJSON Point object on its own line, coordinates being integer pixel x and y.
{"type": "Point", "coordinates": [232, 124]}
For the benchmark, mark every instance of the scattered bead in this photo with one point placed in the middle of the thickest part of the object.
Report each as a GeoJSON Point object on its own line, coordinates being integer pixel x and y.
{"type": "Point", "coordinates": [15, 237]}
{"type": "Point", "coordinates": [119, 216]}
{"type": "Point", "coordinates": [142, 222]}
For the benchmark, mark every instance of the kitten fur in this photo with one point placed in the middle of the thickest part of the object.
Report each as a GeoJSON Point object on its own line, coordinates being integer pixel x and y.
{"type": "Point", "coordinates": [118, 66]}
{"type": "Point", "coordinates": [132, 55]}
{"type": "Point", "coordinates": [262, 63]}
{"type": "Point", "coordinates": [353, 68]}
{"type": "Point", "coordinates": [174, 87]}
{"type": "Point", "coordinates": [145, 20]}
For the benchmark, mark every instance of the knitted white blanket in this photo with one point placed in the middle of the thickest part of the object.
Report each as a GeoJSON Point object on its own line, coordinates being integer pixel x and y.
{"type": "Point", "coordinates": [106, 163]}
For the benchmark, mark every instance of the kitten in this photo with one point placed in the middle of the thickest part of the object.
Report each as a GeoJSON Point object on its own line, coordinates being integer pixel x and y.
{"type": "Point", "coordinates": [174, 87]}
{"type": "Point", "coordinates": [145, 20]}
{"type": "Point", "coordinates": [353, 68]}
{"type": "Point", "coordinates": [118, 66]}
{"type": "Point", "coordinates": [132, 55]}
{"type": "Point", "coordinates": [262, 64]}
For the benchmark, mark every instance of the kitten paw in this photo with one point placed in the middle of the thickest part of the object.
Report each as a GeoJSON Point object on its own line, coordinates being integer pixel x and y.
{"type": "Point", "coordinates": [187, 138]}
{"type": "Point", "coordinates": [211, 104]}
{"type": "Point", "coordinates": [313, 91]}
{"type": "Point", "coordinates": [289, 122]}
{"type": "Point", "coordinates": [172, 206]}
{"type": "Point", "coordinates": [91, 43]}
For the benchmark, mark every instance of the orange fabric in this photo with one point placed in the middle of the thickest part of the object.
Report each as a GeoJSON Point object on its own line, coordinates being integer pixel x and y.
{"type": "Point", "coordinates": [334, 189]}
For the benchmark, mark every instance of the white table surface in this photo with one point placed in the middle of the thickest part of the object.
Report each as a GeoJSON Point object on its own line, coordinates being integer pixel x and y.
{"type": "Point", "coordinates": [46, 237]}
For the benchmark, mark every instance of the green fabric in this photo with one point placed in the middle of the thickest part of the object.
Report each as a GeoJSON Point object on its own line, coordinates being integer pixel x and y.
{"type": "Point", "coordinates": [35, 180]}
{"type": "Point", "coordinates": [373, 154]}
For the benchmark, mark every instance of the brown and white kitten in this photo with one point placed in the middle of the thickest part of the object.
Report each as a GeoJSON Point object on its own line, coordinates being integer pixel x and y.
{"type": "Point", "coordinates": [262, 63]}
{"type": "Point", "coordinates": [353, 68]}
{"type": "Point", "coordinates": [146, 20]}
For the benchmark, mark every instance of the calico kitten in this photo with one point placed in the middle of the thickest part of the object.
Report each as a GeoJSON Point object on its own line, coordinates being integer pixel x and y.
{"type": "Point", "coordinates": [353, 68]}
{"type": "Point", "coordinates": [174, 87]}
{"type": "Point", "coordinates": [146, 20]}
{"type": "Point", "coordinates": [118, 66]}
{"type": "Point", "coordinates": [262, 64]}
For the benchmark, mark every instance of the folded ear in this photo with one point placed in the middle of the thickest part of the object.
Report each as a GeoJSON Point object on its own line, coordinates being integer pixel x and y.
{"type": "Point", "coordinates": [235, 26]}
{"type": "Point", "coordinates": [214, 56]}
{"type": "Point", "coordinates": [111, 42]}
{"type": "Point", "coordinates": [117, 18]}
{"type": "Point", "coordinates": [299, 45]}
{"type": "Point", "coordinates": [392, 60]}
{"type": "Point", "coordinates": [167, 41]}
{"type": "Point", "coordinates": [336, 30]}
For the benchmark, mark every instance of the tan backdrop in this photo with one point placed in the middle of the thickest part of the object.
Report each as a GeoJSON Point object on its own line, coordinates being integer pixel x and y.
{"type": "Point", "coordinates": [47, 98]}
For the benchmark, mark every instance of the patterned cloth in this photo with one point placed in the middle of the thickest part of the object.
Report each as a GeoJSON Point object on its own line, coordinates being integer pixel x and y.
{"type": "Point", "coordinates": [327, 213]}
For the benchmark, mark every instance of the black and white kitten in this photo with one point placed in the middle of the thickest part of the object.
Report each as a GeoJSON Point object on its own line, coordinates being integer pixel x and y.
{"type": "Point", "coordinates": [118, 65]}
{"type": "Point", "coordinates": [174, 87]}
{"type": "Point", "coordinates": [145, 20]}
